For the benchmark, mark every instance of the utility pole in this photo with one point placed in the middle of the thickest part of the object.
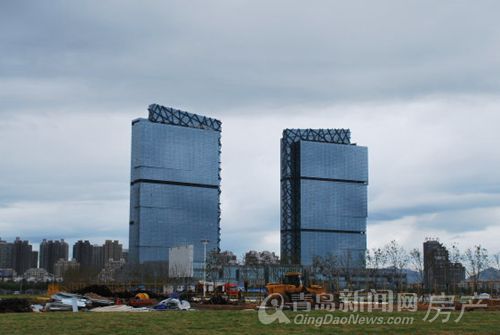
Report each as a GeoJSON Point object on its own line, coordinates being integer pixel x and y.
{"type": "Point", "coordinates": [205, 242]}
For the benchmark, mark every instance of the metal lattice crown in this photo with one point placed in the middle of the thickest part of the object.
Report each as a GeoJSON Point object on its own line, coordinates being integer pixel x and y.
{"type": "Point", "coordinates": [339, 136]}
{"type": "Point", "coordinates": [168, 115]}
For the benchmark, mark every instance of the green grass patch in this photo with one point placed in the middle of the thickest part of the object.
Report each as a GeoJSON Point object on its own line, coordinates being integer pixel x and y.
{"type": "Point", "coordinates": [231, 322]}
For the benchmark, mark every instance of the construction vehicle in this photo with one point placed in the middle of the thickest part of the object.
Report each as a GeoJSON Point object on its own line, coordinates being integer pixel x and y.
{"type": "Point", "coordinates": [231, 290]}
{"type": "Point", "coordinates": [293, 288]}
{"type": "Point", "coordinates": [141, 300]}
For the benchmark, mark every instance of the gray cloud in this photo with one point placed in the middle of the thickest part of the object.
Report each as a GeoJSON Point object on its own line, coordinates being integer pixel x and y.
{"type": "Point", "coordinates": [213, 56]}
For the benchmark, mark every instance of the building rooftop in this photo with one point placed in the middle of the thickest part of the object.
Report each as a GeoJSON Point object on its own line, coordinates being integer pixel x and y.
{"type": "Point", "coordinates": [169, 115]}
{"type": "Point", "coordinates": [339, 136]}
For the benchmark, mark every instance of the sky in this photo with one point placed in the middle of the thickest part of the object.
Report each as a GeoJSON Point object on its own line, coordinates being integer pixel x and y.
{"type": "Point", "coordinates": [417, 82]}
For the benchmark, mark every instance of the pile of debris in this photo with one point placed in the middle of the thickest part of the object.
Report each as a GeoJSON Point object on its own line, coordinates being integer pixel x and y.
{"type": "Point", "coordinates": [172, 304]}
{"type": "Point", "coordinates": [98, 300]}
{"type": "Point", "coordinates": [101, 290]}
{"type": "Point", "coordinates": [141, 302]}
{"type": "Point", "coordinates": [63, 301]}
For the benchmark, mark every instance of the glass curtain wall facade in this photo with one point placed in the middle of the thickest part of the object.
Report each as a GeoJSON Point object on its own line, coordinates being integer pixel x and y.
{"type": "Point", "coordinates": [175, 184]}
{"type": "Point", "coordinates": [324, 182]}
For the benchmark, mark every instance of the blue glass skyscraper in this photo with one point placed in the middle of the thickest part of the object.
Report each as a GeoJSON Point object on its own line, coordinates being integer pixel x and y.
{"type": "Point", "coordinates": [324, 182]}
{"type": "Point", "coordinates": [175, 184]}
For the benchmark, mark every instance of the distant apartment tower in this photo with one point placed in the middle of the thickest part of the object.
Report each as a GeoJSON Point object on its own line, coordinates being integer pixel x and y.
{"type": "Point", "coordinates": [82, 253]}
{"type": "Point", "coordinates": [5, 255]}
{"type": "Point", "coordinates": [98, 256]}
{"type": "Point", "coordinates": [23, 256]}
{"type": "Point", "coordinates": [112, 250]}
{"type": "Point", "coordinates": [125, 255]}
{"type": "Point", "coordinates": [324, 180]}
{"type": "Point", "coordinates": [51, 252]}
{"type": "Point", "coordinates": [440, 274]}
{"type": "Point", "coordinates": [34, 259]}
{"type": "Point", "coordinates": [175, 184]}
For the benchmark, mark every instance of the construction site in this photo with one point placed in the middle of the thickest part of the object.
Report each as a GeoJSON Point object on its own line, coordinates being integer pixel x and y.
{"type": "Point", "coordinates": [217, 309]}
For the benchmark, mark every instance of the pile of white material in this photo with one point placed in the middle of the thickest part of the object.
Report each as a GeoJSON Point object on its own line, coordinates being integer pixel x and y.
{"type": "Point", "coordinates": [69, 298]}
{"type": "Point", "coordinates": [119, 308]}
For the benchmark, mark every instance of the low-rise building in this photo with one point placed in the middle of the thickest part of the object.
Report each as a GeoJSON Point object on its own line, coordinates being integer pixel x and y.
{"type": "Point", "coordinates": [63, 265]}
{"type": "Point", "coordinates": [7, 274]}
{"type": "Point", "coordinates": [38, 275]}
{"type": "Point", "coordinates": [108, 273]}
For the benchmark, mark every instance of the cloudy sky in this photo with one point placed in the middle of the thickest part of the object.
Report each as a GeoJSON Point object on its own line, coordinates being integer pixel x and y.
{"type": "Point", "coordinates": [417, 82]}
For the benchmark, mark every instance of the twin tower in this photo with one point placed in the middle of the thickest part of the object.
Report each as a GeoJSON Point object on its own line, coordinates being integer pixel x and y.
{"type": "Point", "coordinates": [175, 190]}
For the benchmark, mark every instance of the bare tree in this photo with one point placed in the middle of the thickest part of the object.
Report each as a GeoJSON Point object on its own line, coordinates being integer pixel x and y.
{"type": "Point", "coordinates": [417, 261]}
{"type": "Point", "coordinates": [375, 260]}
{"type": "Point", "coordinates": [253, 269]}
{"type": "Point", "coordinates": [367, 270]}
{"type": "Point", "coordinates": [476, 260]}
{"type": "Point", "coordinates": [454, 254]}
{"type": "Point", "coordinates": [345, 261]}
{"type": "Point", "coordinates": [215, 265]}
{"type": "Point", "coordinates": [320, 269]}
{"type": "Point", "coordinates": [397, 258]}
{"type": "Point", "coordinates": [328, 268]}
